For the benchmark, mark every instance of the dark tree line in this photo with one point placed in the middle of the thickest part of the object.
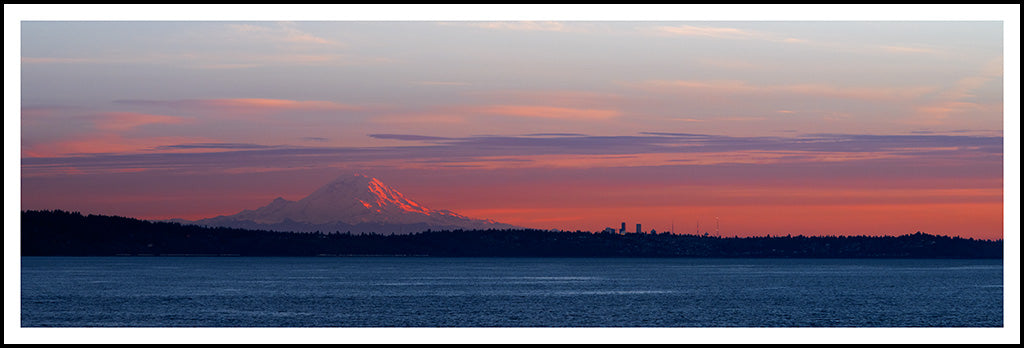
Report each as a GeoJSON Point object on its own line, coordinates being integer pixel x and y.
{"type": "Point", "coordinates": [53, 233]}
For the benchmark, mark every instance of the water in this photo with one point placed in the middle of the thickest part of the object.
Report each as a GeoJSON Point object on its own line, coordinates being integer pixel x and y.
{"type": "Point", "coordinates": [507, 292]}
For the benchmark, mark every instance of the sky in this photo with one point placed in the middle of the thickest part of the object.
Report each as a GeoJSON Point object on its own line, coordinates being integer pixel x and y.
{"type": "Point", "coordinates": [728, 127]}
{"type": "Point", "coordinates": [773, 119]}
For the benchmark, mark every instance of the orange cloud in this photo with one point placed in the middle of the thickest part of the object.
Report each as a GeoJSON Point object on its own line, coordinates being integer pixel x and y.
{"type": "Point", "coordinates": [122, 121]}
{"type": "Point", "coordinates": [723, 33]}
{"type": "Point", "coordinates": [261, 103]}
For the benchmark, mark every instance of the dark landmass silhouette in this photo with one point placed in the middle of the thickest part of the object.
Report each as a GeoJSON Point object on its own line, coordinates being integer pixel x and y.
{"type": "Point", "coordinates": [61, 233]}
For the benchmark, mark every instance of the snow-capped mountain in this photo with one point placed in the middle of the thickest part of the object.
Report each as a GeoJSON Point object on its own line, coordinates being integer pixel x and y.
{"type": "Point", "coordinates": [356, 203]}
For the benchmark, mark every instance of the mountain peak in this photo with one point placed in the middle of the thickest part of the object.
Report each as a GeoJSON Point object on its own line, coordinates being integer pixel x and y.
{"type": "Point", "coordinates": [369, 192]}
{"type": "Point", "coordinates": [358, 198]}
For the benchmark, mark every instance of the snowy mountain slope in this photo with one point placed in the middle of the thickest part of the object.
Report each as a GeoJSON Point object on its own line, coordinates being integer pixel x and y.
{"type": "Point", "coordinates": [356, 203]}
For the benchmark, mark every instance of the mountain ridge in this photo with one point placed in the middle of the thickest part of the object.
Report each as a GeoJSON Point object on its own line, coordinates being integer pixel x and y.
{"type": "Point", "coordinates": [351, 203]}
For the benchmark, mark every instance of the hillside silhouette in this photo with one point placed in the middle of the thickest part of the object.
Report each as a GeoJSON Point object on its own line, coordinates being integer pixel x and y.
{"type": "Point", "coordinates": [62, 233]}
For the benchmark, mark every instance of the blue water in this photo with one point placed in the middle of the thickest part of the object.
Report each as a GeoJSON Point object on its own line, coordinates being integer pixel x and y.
{"type": "Point", "coordinates": [507, 292]}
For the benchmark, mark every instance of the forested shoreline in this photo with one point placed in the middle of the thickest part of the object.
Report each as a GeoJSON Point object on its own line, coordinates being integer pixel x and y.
{"type": "Point", "coordinates": [62, 233]}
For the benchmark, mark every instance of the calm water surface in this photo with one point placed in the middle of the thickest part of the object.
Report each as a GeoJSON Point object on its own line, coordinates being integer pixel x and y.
{"type": "Point", "coordinates": [507, 292]}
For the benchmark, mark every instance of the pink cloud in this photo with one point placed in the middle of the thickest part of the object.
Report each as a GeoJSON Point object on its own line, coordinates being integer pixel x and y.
{"type": "Point", "coordinates": [741, 119]}
{"type": "Point", "coordinates": [723, 33]}
{"type": "Point", "coordinates": [966, 86]}
{"type": "Point", "coordinates": [100, 144]}
{"type": "Point", "coordinates": [952, 113]}
{"type": "Point", "coordinates": [568, 105]}
{"type": "Point", "coordinates": [261, 103]}
{"type": "Point", "coordinates": [122, 121]}
{"type": "Point", "coordinates": [248, 104]}
{"type": "Point", "coordinates": [958, 99]}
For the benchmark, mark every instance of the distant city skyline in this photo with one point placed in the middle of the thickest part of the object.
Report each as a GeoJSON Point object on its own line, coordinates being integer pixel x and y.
{"type": "Point", "coordinates": [775, 127]}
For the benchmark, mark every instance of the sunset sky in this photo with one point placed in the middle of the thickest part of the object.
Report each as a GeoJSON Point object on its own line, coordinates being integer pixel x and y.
{"type": "Point", "coordinates": [770, 127]}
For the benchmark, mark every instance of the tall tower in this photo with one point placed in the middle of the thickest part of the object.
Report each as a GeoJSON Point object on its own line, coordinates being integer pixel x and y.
{"type": "Point", "coordinates": [638, 228]}
{"type": "Point", "coordinates": [623, 229]}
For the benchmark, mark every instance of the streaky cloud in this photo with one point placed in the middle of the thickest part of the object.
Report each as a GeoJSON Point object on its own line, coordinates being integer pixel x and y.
{"type": "Point", "coordinates": [675, 134]}
{"type": "Point", "coordinates": [215, 146]}
{"type": "Point", "coordinates": [555, 135]}
{"type": "Point", "coordinates": [725, 33]}
{"type": "Point", "coordinates": [245, 103]}
{"type": "Point", "coordinates": [408, 137]}
{"type": "Point", "coordinates": [543, 111]}
{"type": "Point", "coordinates": [122, 121]}
{"type": "Point", "coordinates": [655, 148]}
